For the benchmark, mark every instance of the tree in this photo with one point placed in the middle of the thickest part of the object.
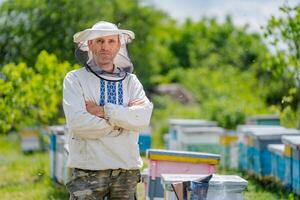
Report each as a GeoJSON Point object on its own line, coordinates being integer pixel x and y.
{"type": "Point", "coordinates": [283, 34]}
{"type": "Point", "coordinates": [30, 26]}
{"type": "Point", "coordinates": [225, 94]}
{"type": "Point", "coordinates": [208, 43]}
{"type": "Point", "coordinates": [32, 95]}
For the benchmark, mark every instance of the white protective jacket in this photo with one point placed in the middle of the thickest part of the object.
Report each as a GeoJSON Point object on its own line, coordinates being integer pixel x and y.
{"type": "Point", "coordinates": [111, 143]}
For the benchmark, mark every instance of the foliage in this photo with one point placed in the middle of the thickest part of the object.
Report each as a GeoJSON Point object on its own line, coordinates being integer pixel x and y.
{"type": "Point", "coordinates": [283, 34]}
{"type": "Point", "coordinates": [29, 27]}
{"type": "Point", "coordinates": [31, 95]}
{"type": "Point", "coordinates": [208, 43]}
{"type": "Point", "coordinates": [289, 117]}
{"type": "Point", "coordinates": [225, 94]}
{"type": "Point", "coordinates": [160, 43]}
{"type": "Point", "coordinates": [208, 58]}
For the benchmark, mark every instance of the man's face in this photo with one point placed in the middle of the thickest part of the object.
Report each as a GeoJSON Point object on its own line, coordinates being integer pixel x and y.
{"type": "Point", "coordinates": [104, 49]}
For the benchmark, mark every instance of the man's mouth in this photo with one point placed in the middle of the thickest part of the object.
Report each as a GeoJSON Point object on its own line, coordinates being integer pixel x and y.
{"type": "Point", "coordinates": [104, 53]}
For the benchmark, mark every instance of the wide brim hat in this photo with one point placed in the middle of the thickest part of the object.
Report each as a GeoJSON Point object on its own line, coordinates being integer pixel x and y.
{"type": "Point", "coordinates": [101, 29]}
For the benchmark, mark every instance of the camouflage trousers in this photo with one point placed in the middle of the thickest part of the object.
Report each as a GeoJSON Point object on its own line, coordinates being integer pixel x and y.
{"type": "Point", "coordinates": [103, 184]}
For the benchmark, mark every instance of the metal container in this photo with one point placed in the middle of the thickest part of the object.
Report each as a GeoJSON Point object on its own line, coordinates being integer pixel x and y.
{"type": "Point", "coordinates": [221, 187]}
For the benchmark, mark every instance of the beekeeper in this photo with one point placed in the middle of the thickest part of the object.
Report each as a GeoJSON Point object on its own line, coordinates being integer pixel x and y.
{"type": "Point", "coordinates": [105, 108]}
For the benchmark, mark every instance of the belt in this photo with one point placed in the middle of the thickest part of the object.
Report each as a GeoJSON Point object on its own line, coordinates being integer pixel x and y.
{"type": "Point", "coordinates": [116, 172]}
{"type": "Point", "coordinates": [111, 172]}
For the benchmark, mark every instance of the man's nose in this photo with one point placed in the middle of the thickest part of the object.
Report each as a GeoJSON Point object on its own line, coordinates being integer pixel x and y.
{"type": "Point", "coordinates": [104, 46]}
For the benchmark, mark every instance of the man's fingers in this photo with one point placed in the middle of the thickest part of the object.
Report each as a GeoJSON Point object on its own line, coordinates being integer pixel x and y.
{"type": "Point", "coordinates": [89, 103]}
{"type": "Point", "coordinates": [136, 102]}
{"type": "Point", "coordinates": [139, 103]}
{"type": "Point", "coordinates": [133, 102]}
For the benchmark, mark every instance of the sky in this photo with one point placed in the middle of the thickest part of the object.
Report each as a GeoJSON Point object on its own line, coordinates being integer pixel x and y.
{"type": "Point", "coordinates": [255, 13]}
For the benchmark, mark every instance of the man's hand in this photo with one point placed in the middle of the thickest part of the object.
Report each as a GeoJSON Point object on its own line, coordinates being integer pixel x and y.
{"type": "Point", "coordinates": [136, 102]}
{"type": "Point", "coordinates": [94, 109]}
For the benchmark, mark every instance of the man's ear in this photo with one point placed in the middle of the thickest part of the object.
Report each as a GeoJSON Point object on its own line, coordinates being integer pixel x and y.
{"type": "Point", "coordinates": [89, 43]}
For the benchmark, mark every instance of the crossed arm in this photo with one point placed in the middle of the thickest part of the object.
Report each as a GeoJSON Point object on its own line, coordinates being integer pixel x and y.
{"type": "Point", "coordinates": [98, 111]}
{"type": "Point", "coordinates": [88, 120]}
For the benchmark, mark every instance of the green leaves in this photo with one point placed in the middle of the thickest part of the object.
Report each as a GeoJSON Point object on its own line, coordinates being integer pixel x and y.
{"type": "Point", "coordinates": [226, 94]}
{"type": "Point", "coordinates": [32, 95]}
{"type": "Point", "coordinates": [283, 33]}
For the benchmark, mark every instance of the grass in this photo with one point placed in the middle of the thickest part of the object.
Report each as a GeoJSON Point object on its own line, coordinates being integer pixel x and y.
{"type": "Point", "coordinates": [26, 177]}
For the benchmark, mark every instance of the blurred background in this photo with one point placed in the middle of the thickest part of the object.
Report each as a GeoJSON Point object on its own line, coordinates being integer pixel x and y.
{"type": "Point", "coordinates": [223, 61]}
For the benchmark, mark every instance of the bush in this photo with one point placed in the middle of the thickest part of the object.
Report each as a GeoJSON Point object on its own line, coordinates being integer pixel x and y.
{"type": "Point", "coordinates": [32, 95]}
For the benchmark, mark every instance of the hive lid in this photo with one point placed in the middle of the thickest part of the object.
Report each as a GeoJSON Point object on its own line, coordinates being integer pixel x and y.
{"type": "Point", "coordinates": [191, 122]}
{"type": "Point", "coordinates": [293, 141]}
{"type": "Point", "coordinates": [199, 130]}
{"type": "Point", "coordinates": [268, 117]}
{"type": "Point", "coordinates": [266, 131]}
{"type": "Point", "coordinates": [183, 156]}
{"type": "Point", "coordinates": [276, 148]}
{"type": "Point", "coordinates": [274, 133]}
{"type": "Point", "coordinates": [247, 129]}
{"type": "Point", "coordinates": [216, 180]}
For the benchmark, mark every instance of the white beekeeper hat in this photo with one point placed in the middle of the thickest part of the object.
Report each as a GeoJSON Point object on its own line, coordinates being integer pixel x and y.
{"type": "Point", "coordinates": [101, 29]}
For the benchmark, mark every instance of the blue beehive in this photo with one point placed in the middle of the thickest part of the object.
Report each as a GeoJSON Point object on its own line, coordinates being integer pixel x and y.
{"type": "Point", "coordinates": [261, 155]}
{"type": "Point", "coordinates": [145, 140]}
{"type": "Point", "coordinates": [277, 161]}
{"type": "Point", "coordinates": [57, 157]}
{"type": "Point", "coordinates": [292, 153]}
{"type": "Point", "coordinates": [245, 143]}
{"type": "Point", "coordinates": [242, 156]}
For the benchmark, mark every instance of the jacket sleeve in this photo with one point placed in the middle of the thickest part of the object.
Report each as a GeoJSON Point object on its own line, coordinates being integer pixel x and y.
{"type": "Point", "coordinates": [79, 121]}
{"type": "Point", "coordinates": [134, 118]}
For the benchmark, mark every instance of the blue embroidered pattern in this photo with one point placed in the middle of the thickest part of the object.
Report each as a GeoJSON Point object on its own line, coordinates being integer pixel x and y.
{"type": "Point", "coordinates": [102, 93]}
{"type": "Point", "coordinates": [120, 93]}
{"type": "Point", "coordinates": [111, 92]}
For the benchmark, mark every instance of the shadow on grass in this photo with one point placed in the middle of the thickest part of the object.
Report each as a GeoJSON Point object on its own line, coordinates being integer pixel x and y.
{"type": "Point", "coordinates": [57, 192]}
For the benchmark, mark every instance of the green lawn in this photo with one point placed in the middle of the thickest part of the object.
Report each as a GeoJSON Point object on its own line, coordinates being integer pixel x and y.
{"type": "Point", "coordinates": [26, 177]}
